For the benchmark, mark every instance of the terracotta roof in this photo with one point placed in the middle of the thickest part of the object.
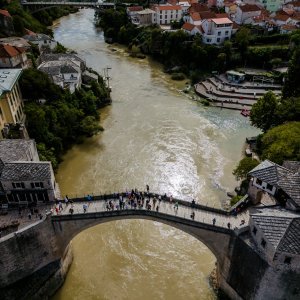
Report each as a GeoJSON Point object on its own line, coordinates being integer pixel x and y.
{"type": "Point", "coordinates": [10, 51]}
{"type": "Point", "coordinates": [195, 16]}
{"type": "Point", "coordinates": [207, 15]}
{"type": "Point", "coordinates": [295, 3]}
{"type": "Point", "coordinates": [223, 15]}
{"type": "Point", "coordinates": [198, 7]}
{"type": "Point", "coordinates": [5, 13]}
{"type": "Point", "coordinates": [235, 26]}
{"type": "Point", "coordinates": [222, 21]}
{"type": "Point", "coordinates": [188, 26]}
{"type": "Point", "coordinates": [172, 2]}
{"type": "Point", "coordinates": [29, 32]}
{"type": "Point", "coordinates": [281, 17]}
{"type": "Point", "coordinates": [288, 27]}
{"type": "Point", "coordinates": [249, 7]}
{"type": "Point", "coordinates": [169, 7]}
{"type": "Point", "coordinates": [135, 8]}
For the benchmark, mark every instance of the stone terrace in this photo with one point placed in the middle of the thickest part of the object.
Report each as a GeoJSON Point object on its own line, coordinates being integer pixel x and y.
{"type": "Point", "coordinates": [230, 95]}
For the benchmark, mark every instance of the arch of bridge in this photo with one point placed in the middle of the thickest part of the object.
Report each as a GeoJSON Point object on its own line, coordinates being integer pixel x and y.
{"type": "Point", "coordinates": [217, 238]}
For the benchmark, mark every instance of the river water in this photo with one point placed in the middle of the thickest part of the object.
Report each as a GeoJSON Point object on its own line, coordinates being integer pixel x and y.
{"type": "Point", "coordinates": [153, 135]}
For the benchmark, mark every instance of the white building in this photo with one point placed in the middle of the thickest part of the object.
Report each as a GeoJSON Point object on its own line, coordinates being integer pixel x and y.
{"type": "Point", "coordinates": [64, 70]}
{"type": "Point", "coordinates": [166, 14]}
{"type": "Point", "coordinates": [245, 12]}
{"type": "Point", "coordinates": [185, 6]}
{"type": "Point", "coordinates": [41, 40]}
{"type": "Point", "coordinates": [216, 31]}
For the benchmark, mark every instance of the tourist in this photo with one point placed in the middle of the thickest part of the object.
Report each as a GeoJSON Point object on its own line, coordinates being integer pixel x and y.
{"type": "Point", "coordinates": [193, 203]}
{"type": "Point", "coordinates": [60, 206]}
{"type": "Point", "coordinates": [176, 206]}
{"type": "Point", "coordinates": [214, 221]}
{"type": "Point", "coordinates": [171, 198]}
{"type": "Point", "coordinates": [84, 208]}
{"type": "Point", "coordinates": [228, 225]}
{"type": "Point", "coordinates": [154, 201]}
{"type": "Point", "coordinates": [147, 188]}
{"type": "Point", "coordinates": [157, 208]}
{"type": "Point", "coordinates": [193, 215]}
{"type": "Point", "coordinates": [29, 215]}
{"type": "Point", "coordinates": [242, 222]}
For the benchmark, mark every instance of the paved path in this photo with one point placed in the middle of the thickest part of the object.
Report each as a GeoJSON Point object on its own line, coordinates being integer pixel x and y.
{"type": "Point", "coordinates": [165, 207]}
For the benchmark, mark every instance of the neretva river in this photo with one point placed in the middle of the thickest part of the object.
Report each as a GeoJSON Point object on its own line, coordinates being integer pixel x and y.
{"type": "Point", "coordinates": [153, 135]}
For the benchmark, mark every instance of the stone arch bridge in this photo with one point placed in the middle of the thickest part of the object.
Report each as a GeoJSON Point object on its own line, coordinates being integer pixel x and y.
{"type": "Point", "coordinates": [39, 5]}
{"type": "Point", "coordinates": [35, 259]}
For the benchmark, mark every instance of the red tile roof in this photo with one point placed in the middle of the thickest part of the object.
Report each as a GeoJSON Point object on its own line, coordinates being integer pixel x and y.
{"type": "Point", "coordinates": [198, 7]}
{"type": "Point", "coordinates": [196, 16]}
{"type": "Point", "coordinates": [188, 26]}
{"type": "Point", "coordinates": [281, 17]}
{"type": "Point", "coordinates": [169, 7]}
{"type": "Point", "coordinates": [289, 27]}
{"type": "Point", "coordinates": [172, 2]}
{"type": "Point", "coordinates": [10, 51]}
{"type": "Point", "coordinates": [223, 15]}
{"type": "Point", "coordinates": [222, 21]}
{"type": "Point", "coordinates": [5, 13]}
{"type": "Point", "coordinates": [249, 7]}
{"type": "Point", "coordinates": [135, 8]}
{"type": "Point", "coordinates": [207, 15]}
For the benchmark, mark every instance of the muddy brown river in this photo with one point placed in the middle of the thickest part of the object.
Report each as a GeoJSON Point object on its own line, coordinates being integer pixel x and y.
{"type": "Point", "coordinates": [154, 135]}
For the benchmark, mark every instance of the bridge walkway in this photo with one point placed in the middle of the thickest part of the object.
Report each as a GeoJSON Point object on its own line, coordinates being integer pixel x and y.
{"type": "Point", "coordinates": [165, 207]}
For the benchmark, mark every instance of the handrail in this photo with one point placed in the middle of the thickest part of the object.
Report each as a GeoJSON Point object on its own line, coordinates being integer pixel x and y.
{"type": "Point", "coordinates": [124, 194]}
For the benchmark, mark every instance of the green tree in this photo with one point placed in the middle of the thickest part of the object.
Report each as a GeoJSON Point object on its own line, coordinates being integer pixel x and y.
{"type": "Point", "coordinates": [242, 39]}
{"type": "Point", "coordinates": [244, 167]}
{"type": "Point", "coordinates": [89, 126]}
{"type": "Point", "coordinates": [282, 143]}
{"type": "Point", "coordinates": [47, 155]}
{"type": "Point", "coordinates": [291, 86]}
{"type": "Point", "coordinates": [263, 112]}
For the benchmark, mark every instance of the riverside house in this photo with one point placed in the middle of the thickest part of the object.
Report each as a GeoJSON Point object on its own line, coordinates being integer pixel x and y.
{"type": "Point", "coordinates": [281, 182]}
{"type": "Point", "coordinates": [13, 57]}
{"type": "Point", "coordinates": [11, 103]}
{"type": "Point", "coordinates": [25, 180]}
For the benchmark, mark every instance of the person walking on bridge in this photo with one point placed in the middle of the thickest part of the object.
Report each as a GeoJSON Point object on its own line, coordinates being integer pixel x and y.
{"type": "Point", "coordinates": [214, 221]}
{"type": "Point", "coordinates": [193, 215]}
{"type": "Point", "coordinates": [147, 188]}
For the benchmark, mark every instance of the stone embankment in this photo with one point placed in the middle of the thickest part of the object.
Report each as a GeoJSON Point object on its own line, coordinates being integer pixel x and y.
{"type": "Point", "coordinates": [225, 94]}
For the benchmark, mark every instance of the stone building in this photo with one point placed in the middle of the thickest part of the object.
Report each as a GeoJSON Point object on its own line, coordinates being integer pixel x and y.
{"type": "Point", "coordinates": [13, 57]}
{"type": "Point", "coordinates": [11, 103]}
{"type": "Point", "coordinates": [280, 182]}
{"type": "Point", "coordinates": [25, 180]}
{"type": "Point", "coordinates": [6, 22]}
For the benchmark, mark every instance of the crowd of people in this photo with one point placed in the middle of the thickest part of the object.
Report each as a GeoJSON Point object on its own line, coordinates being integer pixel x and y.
{"type": "Point", "coordinates": [133, 199]}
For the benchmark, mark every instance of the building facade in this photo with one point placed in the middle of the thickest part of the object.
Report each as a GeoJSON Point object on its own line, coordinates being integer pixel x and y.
{"type": "Point", "coordinates": [166, 14]}
{"type": "Point", "coordinates": [216, 31]}
{"type": "Point", "coordinates": [25, 180]}
{"type": "Point", "coordinates": [13, 57]}
{"type": "Point", "coordinates": [11, 102]}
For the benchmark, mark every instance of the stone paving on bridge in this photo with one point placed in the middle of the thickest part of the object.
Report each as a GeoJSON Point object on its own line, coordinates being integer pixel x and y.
{"type": "Point", "coordinates": [165, 207]}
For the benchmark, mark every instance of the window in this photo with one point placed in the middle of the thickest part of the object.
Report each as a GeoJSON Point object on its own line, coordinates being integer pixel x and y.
{"type": "Point", "coordinates": [208, 40]}
{"type": "Point", "coordinates": [263, 243]}
{"type": "Point", "coordinates": [254, 230]}
{"type": "Point", "coordinates": [218, 40]}
{"type": "Point", "coordinates": [219, 33]}
{"type": "Point", "coordinates": [226, 32]}
{"type": "Point", "coordinates": [37, 185]}
{"type": "Point", "coordinates": [18, 185]}
{"type": "Point", "coordinates": [269, 187]}
{"type": "Point", "coordinates": [258, 181]}
{"type": "Point", "coordinates": [287, 260]}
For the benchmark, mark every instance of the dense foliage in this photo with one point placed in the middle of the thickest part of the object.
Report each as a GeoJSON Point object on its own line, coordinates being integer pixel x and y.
{"type": "Point", "coordinates": [23, 19]}
{"type": "Point", "coordinates": [64, 118]}
{"type": "Point", "coordinates": [244, 167]}
{"type": "Point", "coordinates": [249, 47]}
{"type": "Point", "coordinates": [281, 143]}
